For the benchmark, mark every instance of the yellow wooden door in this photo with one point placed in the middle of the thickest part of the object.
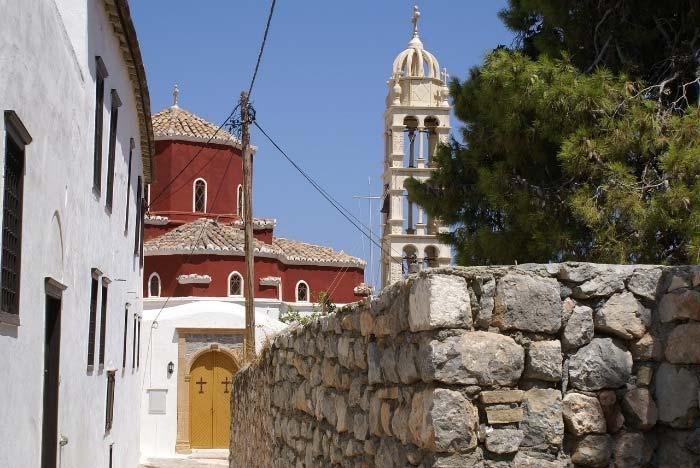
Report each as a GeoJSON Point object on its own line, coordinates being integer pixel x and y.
{"type": "Point", "coordinates": [210, 400]}
{"type": "Point", "coordinates": [201, 400]}
{"type": "Point", "coordinates": [223, 378]}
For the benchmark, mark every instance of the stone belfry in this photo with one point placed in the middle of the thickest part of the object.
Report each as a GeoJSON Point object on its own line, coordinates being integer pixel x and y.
{"type": "Point", "coordinates": [417, 117]}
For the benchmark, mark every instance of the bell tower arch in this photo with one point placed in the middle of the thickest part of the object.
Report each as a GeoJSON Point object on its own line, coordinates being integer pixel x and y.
{"type": "Point", "coordinates": [416, 119]}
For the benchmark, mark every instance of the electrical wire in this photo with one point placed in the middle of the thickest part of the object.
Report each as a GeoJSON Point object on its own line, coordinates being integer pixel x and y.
{"type": "Point", "coordinates": [364, 230]}
{"type": "Point", "coordinates": [262, 47]}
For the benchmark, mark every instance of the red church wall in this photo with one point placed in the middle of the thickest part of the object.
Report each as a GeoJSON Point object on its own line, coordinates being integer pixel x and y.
{"type": "Point", "coordinates": [220, 166]}
{"type": "Point", "coordinates": [220, 267]}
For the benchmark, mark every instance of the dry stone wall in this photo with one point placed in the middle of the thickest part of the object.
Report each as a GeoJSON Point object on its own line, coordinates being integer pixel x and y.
{"type": "Point", "coordinates": [547, 366]}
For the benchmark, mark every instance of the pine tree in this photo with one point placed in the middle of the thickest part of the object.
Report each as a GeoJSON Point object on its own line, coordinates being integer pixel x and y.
{"type": "Point", "coordinates": [563, 163]}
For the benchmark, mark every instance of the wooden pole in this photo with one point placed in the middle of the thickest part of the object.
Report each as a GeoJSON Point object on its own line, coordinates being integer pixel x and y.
{"type": "Point", "coordinates": [249, 283]}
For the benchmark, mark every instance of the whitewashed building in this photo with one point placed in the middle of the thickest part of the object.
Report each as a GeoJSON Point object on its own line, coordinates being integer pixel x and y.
{"type": "Point", "coordinates": [76, 146]}
{"type": "Point", "coordinates": [416, 119]}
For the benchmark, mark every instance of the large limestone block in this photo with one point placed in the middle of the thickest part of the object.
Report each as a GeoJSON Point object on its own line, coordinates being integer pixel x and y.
{"type": "Point", "coordinates": [583, 414]}
{"type": "Point", "coordinates": [443, 420]}
{"type": "Point", "coordinates": [676, 390]}
{"type": "Point", "coordinates": [593, 450]}
{"type": "Point", "coordinates": [684, 344]}
{"type": "Point", "coordinates": [632, 450]}
{"type": "Point", "coordinates": [530, 460]}
{"type": "Point", "coordinates": [543, 424]}
{"type": "Point", "coordinates": [603, 363]}
{"type": "Point", "coordinates": [544, 361]}
{"type": "Point", "coordinates": [528, 303]}
{"type": "Point", "coordinates": [439, 301]}
{"type": "Point", "coordinates": [602, 285]}
{"type": "Point", "coordinates": [502, 441]}
{"type": "Point", "coordinates": [645, 282]}
{"type": "Point", "coordinates": [480, 358]}
{"type": "Point", "coordinates": [680, 305]}
{"type": "Point", "coordinates": [578, 330]}
{"type": "Point", "coordinates": [620, 316]}
{"type": "Point", "coordinates": [640, 409]}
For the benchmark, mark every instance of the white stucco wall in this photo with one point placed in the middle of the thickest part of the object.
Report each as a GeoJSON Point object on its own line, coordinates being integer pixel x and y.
{"type": "Point", "coordinates": [160, 346]}
{"type": "Point", "coordinates": [47, 71]}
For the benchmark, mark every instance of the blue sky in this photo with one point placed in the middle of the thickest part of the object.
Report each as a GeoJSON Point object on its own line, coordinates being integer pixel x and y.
{"type": "Point", "coordinates": [320, 90]}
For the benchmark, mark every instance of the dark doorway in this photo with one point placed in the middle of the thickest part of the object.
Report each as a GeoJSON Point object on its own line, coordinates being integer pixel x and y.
{"type": "Point", "coordinates": [52, 348]}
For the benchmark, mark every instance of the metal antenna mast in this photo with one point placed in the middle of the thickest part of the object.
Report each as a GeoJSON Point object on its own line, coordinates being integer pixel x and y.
{"type": "Point", "coordinates": [369, 197]}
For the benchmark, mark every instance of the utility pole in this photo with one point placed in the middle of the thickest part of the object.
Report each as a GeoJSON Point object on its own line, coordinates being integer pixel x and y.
{"type": "Point", "coordinates": [248, 284]}
{"type": "Point", "coordinates": [369, 197]}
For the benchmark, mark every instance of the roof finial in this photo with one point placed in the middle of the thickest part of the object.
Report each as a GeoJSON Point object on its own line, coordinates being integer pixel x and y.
{"type": "Point", "coordinates": [176, 95]}
{"type": "Point", "coordinates": [414, 20]}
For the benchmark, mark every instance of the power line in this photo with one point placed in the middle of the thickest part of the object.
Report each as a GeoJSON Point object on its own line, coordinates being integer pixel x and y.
{"type": "Point", "coordinates": [262, 47]}
{"type": "Point", "coordinates": [250, 89]}
{"type": "Point", "coordinates": [337, 205]}
{"type": "Point", "coordinates": [172, 181]}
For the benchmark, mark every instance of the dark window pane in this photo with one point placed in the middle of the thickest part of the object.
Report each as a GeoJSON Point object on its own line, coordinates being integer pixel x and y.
{"type": "Point", "coordinates": [109, 416]}
{"type": "Point", "coordinates": [97, 157]}
{"type": "Point", "coordinates": [200, 196]}
{"type": "Point", "coordinates": [103, 324]}
{"type": "Point", "coordinates": [12, 226]}
{"type": "Point", "coordinates": [113, 119]}
{"type": "Point", "coordinates": [94, 287]}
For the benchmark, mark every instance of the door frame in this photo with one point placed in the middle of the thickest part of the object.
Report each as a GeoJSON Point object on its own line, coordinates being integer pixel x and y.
{"type": "Point", "coordinates": [53, 291]}
{"type": "Point", "coordinates": [184, 368]}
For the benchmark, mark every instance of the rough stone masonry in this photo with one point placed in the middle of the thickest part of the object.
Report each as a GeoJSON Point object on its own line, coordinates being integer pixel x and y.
{"type": "Point", "coordinates": [556, 365]}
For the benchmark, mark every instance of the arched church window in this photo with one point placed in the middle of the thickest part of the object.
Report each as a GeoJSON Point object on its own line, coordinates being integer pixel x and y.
{"type": "Point", "coordinates": [431, 257]}
{"type": "Point", "coordinates": [154, 285]}
{"type": "Point", "coordinates": [235, 284]}
{"type": "Point", "coordinates": [303, 292]}
{"type": "Point", "coordinates": [410, 263]}
{"type": "Point", "coordinates": [239, 202]}
{"type": "Point", "coordinates": [199, 199]}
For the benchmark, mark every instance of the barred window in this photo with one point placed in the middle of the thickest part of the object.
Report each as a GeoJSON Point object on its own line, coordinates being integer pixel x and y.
{"type": "Point", "coordinates": [111, 155]}
{"type": "Point", "coordinates": [109, 416]}
{"type": "Point", "coordinates": [200, 196]}
{"type": "Point", "coordinates": [154, 285]}
{"type": "Point", "coordinates": [235, 284]}
{"type": "Point", "coordinates": [12, 224]}
{"type": "Point", "coordinates": [103, 321]}
{"type": "Point", "coordinates": [94, 289]}
{"type": "Point", "coordinates": [302, 292]}
{"type": "Point", "coordinates": [101, 74]}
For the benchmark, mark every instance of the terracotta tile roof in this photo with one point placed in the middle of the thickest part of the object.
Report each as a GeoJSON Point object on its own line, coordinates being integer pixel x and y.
{"type": "Point", "coordinates": [205, 236]}
{"type": "Point", "coordinates": [175, 123]}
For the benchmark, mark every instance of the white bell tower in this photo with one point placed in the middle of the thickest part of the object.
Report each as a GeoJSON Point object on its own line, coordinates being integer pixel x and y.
{"type": "Point", "coordinates": [417, 117]}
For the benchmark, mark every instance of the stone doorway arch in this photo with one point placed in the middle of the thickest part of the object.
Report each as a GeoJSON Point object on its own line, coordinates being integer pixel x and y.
{"type": "Point", "coordinates": [187, 361]}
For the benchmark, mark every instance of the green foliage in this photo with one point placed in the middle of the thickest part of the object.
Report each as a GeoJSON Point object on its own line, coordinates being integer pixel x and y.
{"type": "Point", "coordinates": [558, 164]}
{"type": "Point", "coordinates": [293, 316]}
{"type": "Point", "coordinates": [648, 40]}
{"type": "Point", "coordinates": [323, 306]}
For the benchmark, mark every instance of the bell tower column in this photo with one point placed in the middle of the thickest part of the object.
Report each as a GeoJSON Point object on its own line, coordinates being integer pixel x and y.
{"type": "Point", "coordinates": [416, 120]}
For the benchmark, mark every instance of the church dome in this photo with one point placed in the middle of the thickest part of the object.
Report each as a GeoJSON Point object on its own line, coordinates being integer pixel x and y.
{"type": "Point", "coordinates": [175, 123]}
{"type": "Point", "coordinates": [415, 61]}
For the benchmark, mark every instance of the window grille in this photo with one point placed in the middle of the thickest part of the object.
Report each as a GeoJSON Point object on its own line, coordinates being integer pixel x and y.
{"type": "Point", "coordinates": [137, 229]}
{"type": "Point", "coordinates": [154, 286]}
{"type": "Point", "coordinates": [138, 345]}
{"type": "Point", "coordinates": [200, 196]}
{"type": "Point", "coordinates": [103, 322]}
{"type": "Point", "coordinates": [109, 416]}
{"type": "Point", "coordinates": [99, 111]}
{"type": "Point", "coordinates": [126, 332]}
{"type": "Point", "coordinates": [113, 119]}
{"type": "Point", "coordinates": [12, 225]}
{"type": "Point", "coordinates": [235, 285]}
{"type": "Point", "coordinates": [239, 206]}
{"type": "Point", "coordinates": [94, 288]}
{"type": "Point", "coordinates": [302, 292]}
{"type": "Point", "coordinates": [128, 185]}
{"type": "Point", "coordinates": [133, 347]}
